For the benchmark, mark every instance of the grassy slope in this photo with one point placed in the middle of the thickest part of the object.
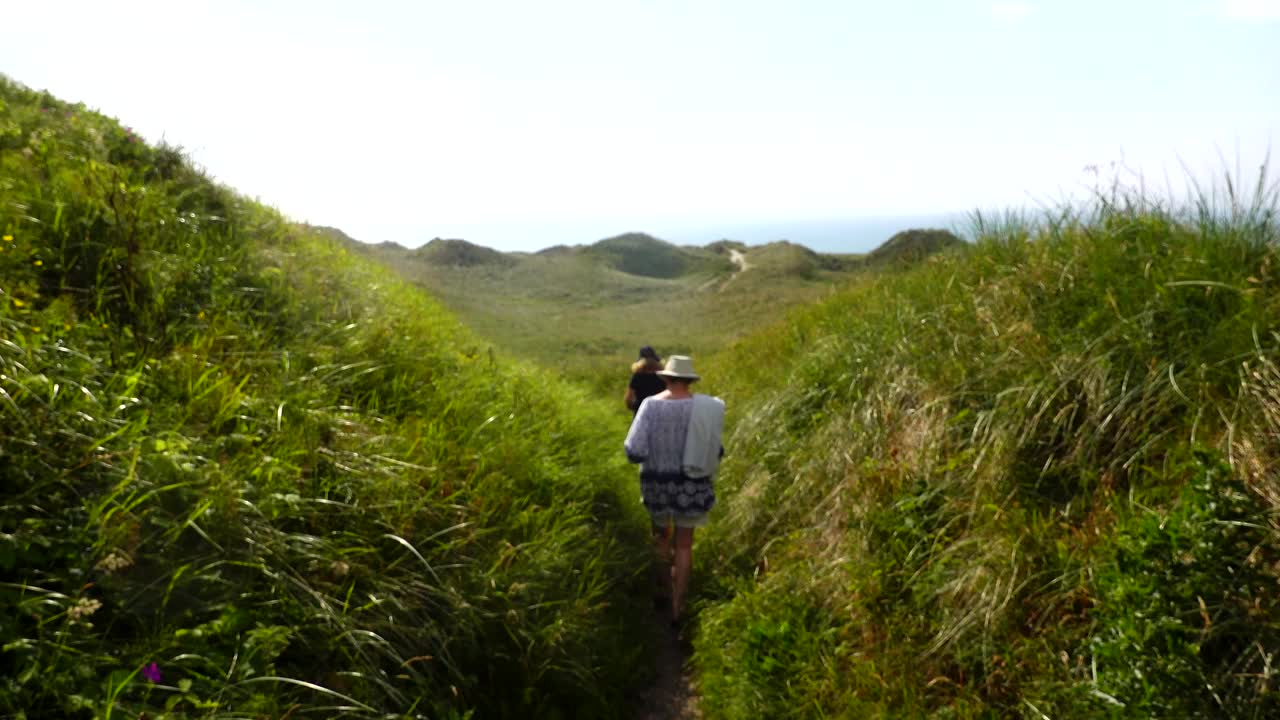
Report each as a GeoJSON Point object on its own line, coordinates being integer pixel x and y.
{"type": "Point", "coordinates": [910, 246]}
{"type": "Point", "coordinates": [646, 256]}
{"type": "Point", "coordinates": [576, 311]}
{"type": "Point", "coordinates": [1036, 478]}
{"type": "Point", "coordinates": [292, 482]}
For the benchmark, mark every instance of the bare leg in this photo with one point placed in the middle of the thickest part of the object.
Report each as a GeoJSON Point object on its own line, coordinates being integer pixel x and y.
{"type": "Point", "coordinates": [661, 562]}
{"type": "Point", "coordinates": [680, 570]}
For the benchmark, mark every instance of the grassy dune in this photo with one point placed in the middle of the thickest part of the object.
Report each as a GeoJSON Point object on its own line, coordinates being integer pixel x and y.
{"type": "Point", "coordinates": [643, 255]}
{"type": "Point", "coordinates": [583, 311]}
{"type": "Point", "coordinates": [1037, 479]}
{"type": "Point", "coordinates": [246, 474]}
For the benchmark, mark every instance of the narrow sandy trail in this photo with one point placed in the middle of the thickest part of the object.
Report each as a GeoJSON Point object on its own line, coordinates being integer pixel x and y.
{"type": "Point", "coordinates": [739, 259]}
{"type": "Point", "coordinates": [672, 697]}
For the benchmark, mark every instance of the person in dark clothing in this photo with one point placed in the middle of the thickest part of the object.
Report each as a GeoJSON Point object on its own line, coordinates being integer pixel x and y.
{"type": "Point", "coordinates": [644, 379]}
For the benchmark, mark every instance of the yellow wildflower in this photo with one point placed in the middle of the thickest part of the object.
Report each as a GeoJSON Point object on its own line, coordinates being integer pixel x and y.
{"type": "Point", "coordinates": [8, 238]}
{"type": "Point", "coordinates": [38, 263]}
{"type": "Point", "coordinates": [18, 303]}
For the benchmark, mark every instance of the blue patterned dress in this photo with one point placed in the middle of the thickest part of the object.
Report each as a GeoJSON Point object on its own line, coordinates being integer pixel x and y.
{"type": "Point", "coordinates": [656, 442]}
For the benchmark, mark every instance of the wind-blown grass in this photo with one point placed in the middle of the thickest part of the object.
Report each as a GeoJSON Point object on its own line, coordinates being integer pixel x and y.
{"type": "Point", "coordinates": [243, 473]}
{"type": "Point", "coordinates": [1036, 478]}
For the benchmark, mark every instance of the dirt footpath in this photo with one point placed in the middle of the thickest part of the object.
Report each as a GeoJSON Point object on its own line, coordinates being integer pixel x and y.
{"type": "Point", "coordinates": [670, 697]}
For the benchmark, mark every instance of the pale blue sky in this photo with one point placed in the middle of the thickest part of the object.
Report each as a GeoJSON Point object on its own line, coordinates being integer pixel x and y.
{"type": "Point", "coordinates": [519, 125]}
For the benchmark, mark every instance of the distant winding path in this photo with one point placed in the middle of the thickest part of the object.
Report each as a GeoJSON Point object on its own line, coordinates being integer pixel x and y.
{"type": "Point", "coordinates": [739, 260]}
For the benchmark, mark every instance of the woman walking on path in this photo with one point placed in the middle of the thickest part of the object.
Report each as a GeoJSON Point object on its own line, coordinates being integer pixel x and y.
{"type": "Point", "coordinates": [644, 379]}
{"type": "Point", "coordinates": [676, 439]}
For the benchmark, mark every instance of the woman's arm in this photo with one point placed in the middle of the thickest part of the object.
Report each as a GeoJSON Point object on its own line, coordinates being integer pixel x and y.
{"type": "Point", "coordinates": [630, 398]}
{"type": "Point", "coordinates": [637, 442]}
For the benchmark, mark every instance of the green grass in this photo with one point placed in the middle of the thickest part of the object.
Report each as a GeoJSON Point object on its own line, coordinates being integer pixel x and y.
{"type": "Point", "coordinates": [459, 253]}
{"type": "Point", "coordinates": [582, 312]}
{"type": "Point", "coordinates": [911, 246]}
{"type": "Point", "coordinates": [294, 483]}
{"type": "Point", "coordinates": [647, 256]}
{"type": "Point", "coordinates": [1033, 478]}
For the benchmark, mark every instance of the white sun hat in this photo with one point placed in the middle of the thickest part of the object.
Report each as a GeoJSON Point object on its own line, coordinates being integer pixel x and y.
{"type": "Point", "coordinates": [679, 366]}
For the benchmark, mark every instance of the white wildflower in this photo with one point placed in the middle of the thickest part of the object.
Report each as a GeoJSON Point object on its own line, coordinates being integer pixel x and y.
{"type": "Point", "coordinates": [83, 608]}
{"type": "Point", "coordinates": [114, 562]}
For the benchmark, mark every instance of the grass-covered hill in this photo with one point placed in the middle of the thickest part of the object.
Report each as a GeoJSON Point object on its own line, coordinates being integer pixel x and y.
{"type": "Point", "coordinates": [583, 310]}
{"type": "Point", "coordinates": [647, 256]}
{"type": "Point", "coordinates": [1036, 477]}
{"type": "Point", "coordinates": [635, 254]}
{"type": "Point", "coordinates": [460, 253]}
{"type": "Point", "coordinates": [909, 247]}
{"type": "Point", "coordinates": [245, 473]}
{"type": "Point", "coordinates": [787, 259]}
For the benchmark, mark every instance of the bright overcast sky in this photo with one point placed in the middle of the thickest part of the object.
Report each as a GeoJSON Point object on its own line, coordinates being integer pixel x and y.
{"type": "Point", "coordinates": [519, 124]}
